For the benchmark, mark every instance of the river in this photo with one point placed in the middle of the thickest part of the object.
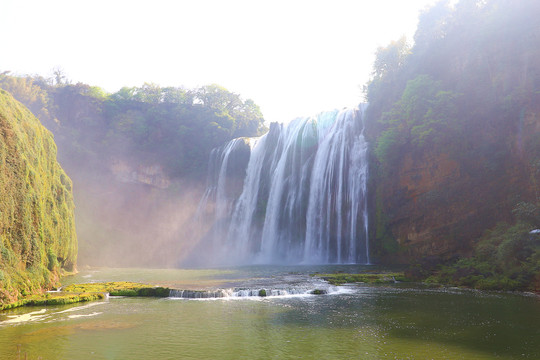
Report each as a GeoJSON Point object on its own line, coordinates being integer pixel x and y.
{"type": "Point", "coordinates": [395, 321]}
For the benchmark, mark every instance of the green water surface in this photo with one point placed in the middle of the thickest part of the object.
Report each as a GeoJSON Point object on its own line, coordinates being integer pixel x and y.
{"type": "Point", "coordinates": [396, 321]}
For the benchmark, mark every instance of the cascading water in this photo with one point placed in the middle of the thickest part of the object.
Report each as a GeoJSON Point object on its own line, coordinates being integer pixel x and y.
{"type": "Point", "coordinates": [300, 198]}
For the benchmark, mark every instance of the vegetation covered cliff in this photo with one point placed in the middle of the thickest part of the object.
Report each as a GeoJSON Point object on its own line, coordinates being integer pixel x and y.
{"type": "Point", "coordinates": [37, 226]}
{"type": "Point", "coordinates": [455, 128]}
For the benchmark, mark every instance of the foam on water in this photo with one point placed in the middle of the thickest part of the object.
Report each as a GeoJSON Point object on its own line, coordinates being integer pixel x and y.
{"type": "Point", "coordinates": [84, 315]}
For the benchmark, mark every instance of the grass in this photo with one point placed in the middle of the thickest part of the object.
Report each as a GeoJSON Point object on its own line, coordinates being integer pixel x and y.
{"type": "Point", "coordinates": [367, 278]}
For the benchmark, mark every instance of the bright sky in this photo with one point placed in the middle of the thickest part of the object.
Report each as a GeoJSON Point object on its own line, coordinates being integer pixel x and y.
{"type": "Point", "coordinates": [293, 57]}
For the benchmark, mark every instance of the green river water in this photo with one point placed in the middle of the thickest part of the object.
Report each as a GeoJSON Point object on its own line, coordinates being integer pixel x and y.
{"type": "Point", "coordinates": [396, 321]}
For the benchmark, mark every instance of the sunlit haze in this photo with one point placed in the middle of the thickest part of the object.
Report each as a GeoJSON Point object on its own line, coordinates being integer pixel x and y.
{"type": "Point", "coordinates": [293, 58]}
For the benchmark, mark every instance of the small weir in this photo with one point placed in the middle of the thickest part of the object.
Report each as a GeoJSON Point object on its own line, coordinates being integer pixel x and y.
{"type": "Point", "coordinates": [246, 293]}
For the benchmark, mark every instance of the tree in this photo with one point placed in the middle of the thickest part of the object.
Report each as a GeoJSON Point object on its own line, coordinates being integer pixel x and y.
{"type": "Point", "coordinates": [387, 77]}
{"type": "Point", "coordinates": [24, 90]}
{"type": "Point", "coordinates": [217, 98]}
{"type": "Point", "coordinates": [60, 77]}
{"type": "Point", "coordinates": [149, 93]}
{"type": "Point", "coordinates": [425, 116]}
{"type": "Point", "coordinates": [171, 126]}
{"type": "Point", "coordinates": [432, 25]}
{"type": "Point", "coordinates": [389, 59]}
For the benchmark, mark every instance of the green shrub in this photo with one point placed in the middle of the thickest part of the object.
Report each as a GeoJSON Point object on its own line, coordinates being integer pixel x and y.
{"type": "Point", "coordinates": [52, 260]}
{"type": "Point", "coordinates": [506, 258]}
{"type": "Point", "coordinates": [126, 292]}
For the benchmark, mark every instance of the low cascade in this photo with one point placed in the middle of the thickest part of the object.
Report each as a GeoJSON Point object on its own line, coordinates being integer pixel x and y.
{"type": "Point", "coordinates": [248, 293]}
{"type": "Point", "coordinates": [296, 195]}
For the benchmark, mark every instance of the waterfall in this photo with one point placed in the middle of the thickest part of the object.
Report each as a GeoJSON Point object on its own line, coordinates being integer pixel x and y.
{"type": "Point", "coordinates": [296, 195]}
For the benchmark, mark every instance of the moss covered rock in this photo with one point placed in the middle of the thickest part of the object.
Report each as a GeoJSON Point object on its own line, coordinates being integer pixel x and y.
{"type": "Point", "coordinates": [37, 229]}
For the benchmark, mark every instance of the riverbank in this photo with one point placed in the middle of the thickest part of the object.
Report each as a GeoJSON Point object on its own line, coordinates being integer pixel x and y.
{"type": "Point", "coordinates": [76, 293]}
{"type": "Point", "coordinates": [401, 277]}
{"type": "Point", "coordinates": [54, 298]}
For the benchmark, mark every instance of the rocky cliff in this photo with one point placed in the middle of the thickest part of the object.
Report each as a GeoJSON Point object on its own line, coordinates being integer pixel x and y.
{"type": "Point", "coordinates": [37, 229]}
{"type": "Point", "coordinates": [454, 127]}
{"type": "Point", "coordinates": [438, 203]}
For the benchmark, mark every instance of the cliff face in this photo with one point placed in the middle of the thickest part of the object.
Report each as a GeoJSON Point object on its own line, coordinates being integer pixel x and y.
{"type": "Point", "coordinates": [37, 228]}
{"type": "Point", "coordinates": [439, 204]}
{"type": "Point", "coordinates": [152, 175]}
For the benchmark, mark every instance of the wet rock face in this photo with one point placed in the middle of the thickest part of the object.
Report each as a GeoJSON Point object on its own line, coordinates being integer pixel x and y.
{"type": "Point", "coordinates": [419, 201]}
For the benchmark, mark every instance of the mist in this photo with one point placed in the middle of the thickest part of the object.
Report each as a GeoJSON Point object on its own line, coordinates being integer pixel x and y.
{"type": "Point", "coordinates": [138, 161]}
{"type": "Point", "coordinates": [128, 224]}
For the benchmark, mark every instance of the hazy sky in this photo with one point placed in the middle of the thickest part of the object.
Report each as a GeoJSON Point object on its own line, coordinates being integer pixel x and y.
{"type": "Point", "coordinates": [293, 58]}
